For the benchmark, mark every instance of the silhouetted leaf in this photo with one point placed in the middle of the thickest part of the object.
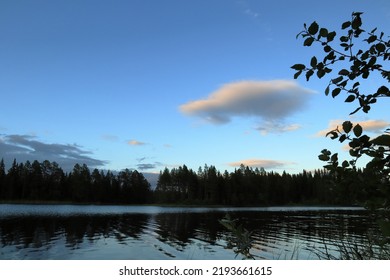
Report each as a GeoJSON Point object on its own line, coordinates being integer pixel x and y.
{"type": "Point", "coordinates": [346, 25]}
{"type": "Point", "coordinates": [344, 72]}
{"type": "Point", "coordinates": [371, 39]}
{"type": "Point", "coordinates": [324, 32]}
{"type": "Point", "coordinates": [313, 62]}
{"type": "Point", "coordinates": [380, 47]}
{"type": "Point", "coordinates": [309, 74]}
{"type": "Point", "coordinates": [313, 28]}
{"type": "Point", "coordinates": [336, 92]}
{"type": "Point", "coordinates": [298, 67]}
{"type": "Point", "coordinates": [308, 42]}
{"type": "Point", "coordinates": [347, 126]}
{"type": "Point", "coordinates": [357, 130]}
{"type": "Point", "coordinates": [350, 98]}
{"type": "Point", "coordinates": [297, 74]}
{"type": "Point", "coordinates": [357, 22]}
{"type": "Point", "coordinates": [331, 36]}
{"type": "Point", "coordinates": [382, 140]}
{"type": "Point", "coordinates": [327, 91]}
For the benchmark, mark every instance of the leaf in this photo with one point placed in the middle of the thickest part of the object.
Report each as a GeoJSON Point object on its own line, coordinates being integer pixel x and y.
{"type": "Point", "coordinates": [357, 21]}
{"type": "Point", "coordinates": [324, 32]}
{"type": "Point", "coordinates": [298, 67]}
{"type": "Point", "coordinates": [382, 140]}
{"type": "Point", "coordinates": [350, 98]}
{"type": "Point", "coordinates": [383, 90]}
{"type": "Point", "coordinates": [308, 42]}
{"type": "Point", "coordinates": [380, 47]}
{"type": "Point", "coordinates": [323, 157]}
{"type": "Point", "coordinates": [371, 39]}
{"type": "Point", "coordinates": [327, 91]}
{"type": "Point", "coordinates": [313, 28]}
{"type": "Point", "coordinates": [347, 126]}
{"type": "Point", "coordinates": [327, 49]}
{"type": "Point", "coordinates": [313, 62]}
{"type": "Point", "coordinates": [358, 130]}
{"type": "Point", "coordinates": [321, 73]}
{"type": "Point", "coordinates": [297, 74]}
{"type": "Point", "coordinates": [337, 80]}
{"type": "Point", "coordinates": [331, 36]}
{"type": "Point", "coordinates": [346, 25]}
{"type": "Point", "coordinates": [344, 72]}
{"type": "Point", "coordinates": [336, 92]}
{"type": "Point", "coordinates": [309, 74]}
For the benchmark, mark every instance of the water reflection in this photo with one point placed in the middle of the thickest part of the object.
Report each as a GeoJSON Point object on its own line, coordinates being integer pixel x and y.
{"type": "Point", "coordinates": [184, 234]}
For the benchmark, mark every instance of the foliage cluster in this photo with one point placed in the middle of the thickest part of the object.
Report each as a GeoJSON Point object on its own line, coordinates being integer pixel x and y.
{"type": "Point", "coordinates": [355, 62]}
{"type": "Point", "coordinates": [356, 56]}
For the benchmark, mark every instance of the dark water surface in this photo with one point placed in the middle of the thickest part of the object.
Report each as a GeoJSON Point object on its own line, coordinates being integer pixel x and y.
{"type": "Point", "coordinates": [148, 232]}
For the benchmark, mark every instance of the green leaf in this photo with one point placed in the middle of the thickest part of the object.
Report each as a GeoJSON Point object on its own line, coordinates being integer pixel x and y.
{"type": "Point", "coordinates": [350, 98]}
{"type": "Point", "coordinates": [358, 130]}
{"type": "Point", "coordinates": [298, 67]}
{"type": "Point", "coordinates": [313, 28]}
{"type": "Point", "coordinates": [347, 126]}
{"type": "Point", "coordinates": [382, 140]}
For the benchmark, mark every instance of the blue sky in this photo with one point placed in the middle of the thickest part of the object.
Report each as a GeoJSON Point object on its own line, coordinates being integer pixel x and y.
{"type": "Point", "coordinates": [153, 84]}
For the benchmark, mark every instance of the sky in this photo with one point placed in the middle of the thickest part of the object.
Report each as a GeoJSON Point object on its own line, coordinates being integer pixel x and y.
{"type": "Point", "coordinates": [152, 84]}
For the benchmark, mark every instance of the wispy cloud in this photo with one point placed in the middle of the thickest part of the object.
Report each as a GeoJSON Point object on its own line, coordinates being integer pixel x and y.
{"type": "Point", "coordinates": [27, 147]}
{"type": "Point", "coordinates": [272, 127]}
{"type": "Point", "coordinates": [375, 126]}
{"type": "Point", "coordinates": [134, 142]}
{"type": "Point", "coordinates": [109, 137]}
{"type": "Point", "coordinates": [270, 101]}
{"type": "Point", "coordinates": [265, 163]}
{"type": "Point", "coordinates": [148, 166]}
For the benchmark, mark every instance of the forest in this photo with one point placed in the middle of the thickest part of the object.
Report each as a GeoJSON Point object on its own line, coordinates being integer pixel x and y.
{"type": "Point", "coordinates": [47, 182]}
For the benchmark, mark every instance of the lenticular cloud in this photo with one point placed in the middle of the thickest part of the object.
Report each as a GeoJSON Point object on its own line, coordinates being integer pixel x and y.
{"type": "Point", "coordinates": [269, 100]}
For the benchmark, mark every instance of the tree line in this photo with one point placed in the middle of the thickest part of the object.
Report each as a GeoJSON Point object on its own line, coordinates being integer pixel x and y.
{"type": "Point", "coordinates": [46, 181]}
{"type": "Point", "coordinates": [254, 186]}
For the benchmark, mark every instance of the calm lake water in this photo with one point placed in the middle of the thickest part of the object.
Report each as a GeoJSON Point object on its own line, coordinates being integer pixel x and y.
{"type": "Point", "coordinates": [148, 232]}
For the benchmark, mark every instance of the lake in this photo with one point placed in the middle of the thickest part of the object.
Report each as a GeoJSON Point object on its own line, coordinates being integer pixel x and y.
{"type": "Point", "coordinates": [186, 233]}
